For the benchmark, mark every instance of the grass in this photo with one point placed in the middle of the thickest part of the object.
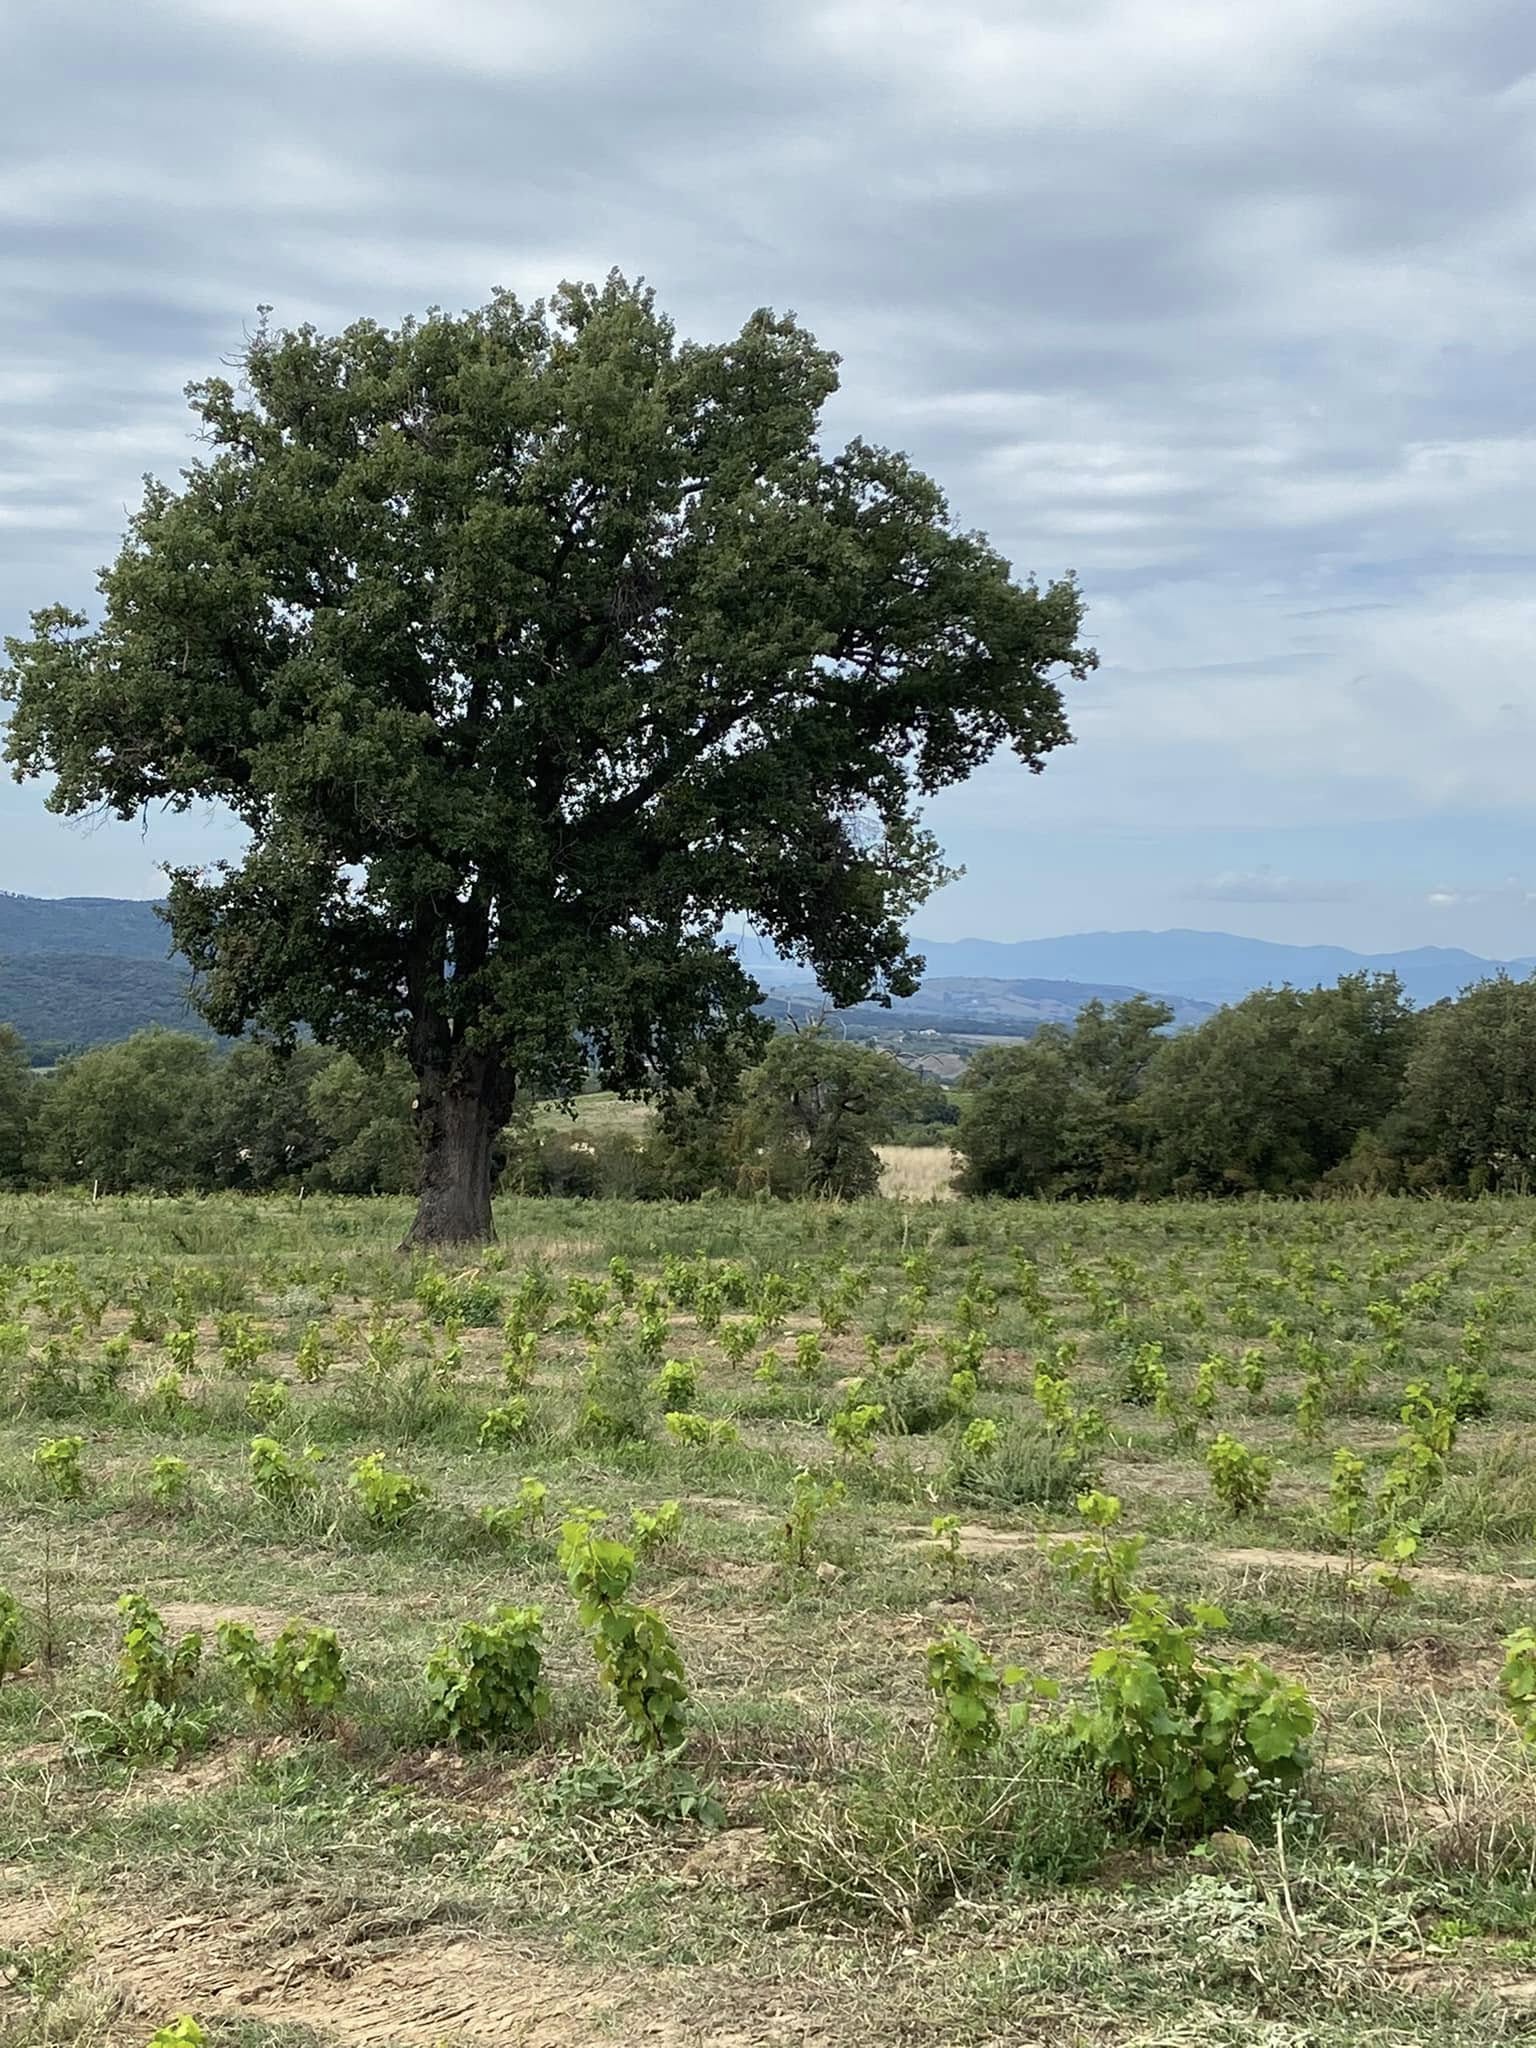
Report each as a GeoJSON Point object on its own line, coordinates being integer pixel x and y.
{"type": "Point", "coordinates": [917, 1173]}
{"type": "Point", "coordinates": [292, 1876]}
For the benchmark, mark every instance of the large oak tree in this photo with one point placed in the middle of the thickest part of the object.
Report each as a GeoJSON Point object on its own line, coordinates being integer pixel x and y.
{"type": "Point", "coordinates": [530, 647]}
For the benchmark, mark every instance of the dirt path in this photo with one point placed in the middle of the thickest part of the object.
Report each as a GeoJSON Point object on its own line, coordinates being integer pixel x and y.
{"type": "Point", "coordinates": [369, 1975]}
{"type": "Point", "coordinates": [1328, 1561]}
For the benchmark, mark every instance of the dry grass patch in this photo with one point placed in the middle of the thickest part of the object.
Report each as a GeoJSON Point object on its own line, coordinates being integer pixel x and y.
{"type": "Point", "coordinates": [917, 1173]}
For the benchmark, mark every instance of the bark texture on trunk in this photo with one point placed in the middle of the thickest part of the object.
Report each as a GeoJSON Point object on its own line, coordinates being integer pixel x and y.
{"type": "Point", "coordinates": [459, 1116]}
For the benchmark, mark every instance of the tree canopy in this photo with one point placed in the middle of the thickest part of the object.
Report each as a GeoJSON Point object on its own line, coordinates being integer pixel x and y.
{"type": "Point", "coordinates": [528, 646]}
{"type": "Point", "coordinates": [1061, 1115]}
{"type": "Point", "coordinates": [816, 1107]}
{"type": "Point", "coordinates": [17, 1097]}
{"type": "Point", "coordinates": [1469, 1096]}
{"type": "Point", "coordinates": [1271, 1093]}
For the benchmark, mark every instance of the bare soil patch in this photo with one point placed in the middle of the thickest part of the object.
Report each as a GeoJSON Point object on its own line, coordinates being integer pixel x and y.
{"type": "Point", "coordinates": [375, 1975]}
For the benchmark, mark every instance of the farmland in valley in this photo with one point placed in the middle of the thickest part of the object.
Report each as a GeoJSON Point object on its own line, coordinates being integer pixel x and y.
{"type": "Point", "coordinates": [886, 1736]}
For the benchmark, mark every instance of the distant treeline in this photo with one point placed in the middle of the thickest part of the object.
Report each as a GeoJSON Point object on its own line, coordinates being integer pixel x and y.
{"type": "Point", "coordinates": [1289, 1092]}
{"type": "Point", "coordinates": [170, 1111]}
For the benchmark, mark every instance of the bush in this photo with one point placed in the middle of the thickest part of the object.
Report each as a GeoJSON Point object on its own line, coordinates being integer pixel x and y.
{"type": "Point", "coordinates": [302, 1673]}
{"type": "Point", "coordinates": [1240, 1478]}
{"type": "Point", "coordinates": [502, 1427]}
{"type": "Point", "coordinates": [676, 1386]}
{"type": "Point", "coordinates": [280, 1479]}
{"type": "Point", "coordinates": [469, 1299]}
{"type": "Point", "coordinates": [1104, 1564]}
{"type": "Point", "coordinates": [1517, 1682]}
{"type": "Point", "coordinates": [149, 1671]}
{"type": "Point", "coordinates": [12, 1635]}
{"type": "Point", "coordinates": [1184, 1744]}
{"type": "Point", "coordinates": [991, 1466]}
{"type": "Point", "coordinates": [969, 1688]}
{"type": "Point", "coordinates": [613, 1407]}
{"type": "Point", "coordinates": [486, 1686]}
{"type": "Point", "coordinates": [388, 1499]}
{"type": "Point", "coordinates": [170, 1482]}
{"type": "Point", "coordinates": [635, 1653]}
{"type": "Point", "coordinates": [58, 1460]}
{"type": "Point", "coordinates": [810, 1501]}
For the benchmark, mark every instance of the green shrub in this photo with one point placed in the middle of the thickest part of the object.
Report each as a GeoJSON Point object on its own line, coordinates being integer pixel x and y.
{"type": "Point", "coordinates": [1517, 1683]}
{"type": "Point", "coordinates": [521, 1518]}
{"type": "Point", "coordinates": [991, 1466]}
{"type": "Point", "coordinates": [110, 1362]}
{"type": "Point", "coordinates": [58, 1460]}
{"type": "Point", "coordinates": [1348, 1499]}
{"type": "Point", "coordinates": [636, 1655]}
{"type": "Point", "coordinates": [1143, 1376]}
{"type": "Point", "coordinates": [266, 1401]}
{"type": "Point", "coordinates": [852, 1426]}
{"type": "Point", "coordinates": [170, 1482]}
{"type": "Point", "coordinates": [699, 1432]}
{"type": "Point", "coordinates": [1240, 1478]}
{"type": "Point", "coordinates": [613, 1409]}
{"type": "Point", "coordinates": [486, 1685]}
{"type": "Point", "coordinates": [150, 1733]}
{"type": "Point", "coordinates": [149, 1670]}
{"type": "Point", "coordinates": [811, 1500]}
{"type": "Point", "coordinates": [241, 1344]}
{"type": "Point", "coordinates": [1182, 1743]}
{"type": "Point", "coordinates": [168, 1395]}
{"type": "Point", "coordinates": [278, 1478]}
{"type": "Point", "coordinates": [969, 1688]}
{"type": "Point", "coordinates": [656, 1529]}
{"type": "Point", "coordinates": [388, 1499]}
{"type": "Point", "coordinates": [12, 1635]}
{"type": "Point", "coordinates": [470, 1299]}
{"type": "Point", "coordinates": [502, 1427]}
{"type": "Point", "coordinates": [676, 1386]}
{"type": "Point", "coordinates": [312, 1360]}
{"type": "Point", "coordinates": [1103, 1564]}
{"type": "Point", "coordinates": [810, 1354]}
{"type": "Point", "coordinates": [1467, 1394]}
{"type": "Point", "coordinates": [182, 2032]}
{"type": "Point", "coordinates": [301, 1674]}
{"type": "Point", "coordinates": [739, 1338]}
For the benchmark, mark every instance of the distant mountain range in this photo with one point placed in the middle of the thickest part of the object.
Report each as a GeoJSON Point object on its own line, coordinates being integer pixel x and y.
{"type": "Point", "coordinates": [84, 970]}
{"type": "Point", "coordinates": [1205, 967]}
{"type": "Point", "coordinates": [81, 970]}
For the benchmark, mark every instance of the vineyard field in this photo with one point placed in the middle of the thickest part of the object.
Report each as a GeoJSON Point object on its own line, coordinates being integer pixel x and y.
{"type": "Point", "coordinates": [929, 1621]}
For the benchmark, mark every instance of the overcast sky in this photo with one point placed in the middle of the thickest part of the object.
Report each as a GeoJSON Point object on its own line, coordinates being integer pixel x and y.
{"type": "Point", "coordinates": [1224, 304]}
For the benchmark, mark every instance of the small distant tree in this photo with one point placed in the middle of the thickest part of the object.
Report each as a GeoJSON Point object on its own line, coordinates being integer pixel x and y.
{"type": "Point", "coordinates": [1271, 1093]}
{"type": "Point", "coordinates": [18, 1103]}
{"type": "Point", "coordinates": [1012, 1136]}
{"type": "Point", "coordinates": [815, 1109]}
{"type": "Point", "coordinates": [528, 646]}
{"type": "Point", "coordinates": [1467, 1119]}
{"type": "Point", "coordinates": [695, 1143]}
{"type": "Point", "coordinates": [365, 1117]}
{"type": "Point", "coordinates": [1062, 1114]}
{"type": "Point", "coordinates": [265, 1131]}
{"type": "Point", "coordinates": [139, 1114]}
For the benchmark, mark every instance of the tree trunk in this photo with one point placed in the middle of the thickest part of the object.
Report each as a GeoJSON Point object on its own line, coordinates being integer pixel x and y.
{"type": "Point", "coordinates": [459, 1116]}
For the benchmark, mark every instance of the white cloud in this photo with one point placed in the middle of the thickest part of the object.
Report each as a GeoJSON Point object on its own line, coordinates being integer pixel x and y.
{"type": "Point", "coordinates": [1263, 885]}
{"type": "Point", "coordinates": [1213, 302]}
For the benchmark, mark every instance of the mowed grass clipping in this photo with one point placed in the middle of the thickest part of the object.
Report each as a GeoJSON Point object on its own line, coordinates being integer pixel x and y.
{"type": "Point", "coordinates": [868, 1453]}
